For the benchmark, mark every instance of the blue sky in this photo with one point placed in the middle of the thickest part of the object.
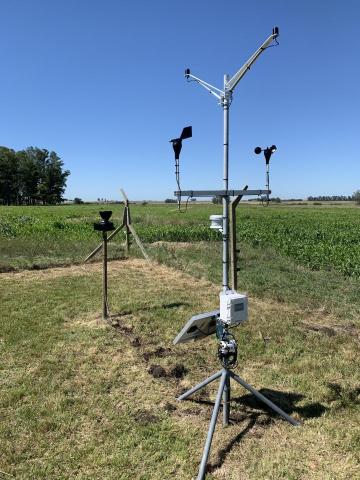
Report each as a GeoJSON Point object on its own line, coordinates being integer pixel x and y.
{"type": "Point", "coordinates": [101, 83]}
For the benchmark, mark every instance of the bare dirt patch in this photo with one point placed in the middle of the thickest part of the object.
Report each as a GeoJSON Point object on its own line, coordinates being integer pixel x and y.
{"type": "Point", "coordinates": [173, 245]}
{"type": "Point", "coordinates": [332, 330]}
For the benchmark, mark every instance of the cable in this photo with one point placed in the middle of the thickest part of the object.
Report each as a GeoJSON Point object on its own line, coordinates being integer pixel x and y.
{"type": "Point", "coordinates": [227, 350]}
{"type": "Point", "coordinates": [177, 176]}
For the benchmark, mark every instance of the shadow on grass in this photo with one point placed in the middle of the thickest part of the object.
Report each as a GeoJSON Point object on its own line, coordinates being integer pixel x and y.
{"type": "Point", "coordinates": [259, 416]}
{"type": "Point", "coordinates": [126, 312]}
{"type": "Point", "coordinates": [285, 400]}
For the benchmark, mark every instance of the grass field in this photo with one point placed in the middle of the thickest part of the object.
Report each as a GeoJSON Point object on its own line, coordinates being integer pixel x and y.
{"type": "Point", "coordinates": [84, 399]}
{"type": "Point", "coordinates": [316, 237]}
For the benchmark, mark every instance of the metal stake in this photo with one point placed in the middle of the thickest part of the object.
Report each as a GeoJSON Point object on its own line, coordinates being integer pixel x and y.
{"type": "Point", "coordinates": [105, 298]}
{"type": "Point", "coordinates": [233, 249]}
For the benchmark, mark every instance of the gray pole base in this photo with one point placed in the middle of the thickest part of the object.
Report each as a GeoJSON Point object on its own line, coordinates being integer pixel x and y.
{"type": "Point", "coordinates": [224, 392]}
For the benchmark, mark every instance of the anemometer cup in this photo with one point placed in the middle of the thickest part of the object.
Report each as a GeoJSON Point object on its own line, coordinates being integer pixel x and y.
{"type": "Point", "coordinates": [267, 152]}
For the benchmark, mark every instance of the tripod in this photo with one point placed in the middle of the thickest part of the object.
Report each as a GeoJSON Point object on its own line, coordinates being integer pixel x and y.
{"type": "Point", "coordinates": [225, 375]}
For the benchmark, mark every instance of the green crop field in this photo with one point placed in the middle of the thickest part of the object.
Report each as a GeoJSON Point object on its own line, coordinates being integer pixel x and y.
{"type": "Point", "coordinates": [85, 399]}
{"type": "Point", "coordinates": [314, 236]}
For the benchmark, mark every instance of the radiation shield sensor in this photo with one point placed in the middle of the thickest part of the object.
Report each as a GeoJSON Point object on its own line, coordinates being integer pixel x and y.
{"type": "Point", "coordinates": [216, 222]}
{"type": "Point", "coordinates": [233, 307]}
{"type": "Point", "coordinates": [198, 327]}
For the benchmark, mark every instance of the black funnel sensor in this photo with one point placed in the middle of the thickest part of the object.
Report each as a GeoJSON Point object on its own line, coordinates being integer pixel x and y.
{"type": "Point", "coordinates": [104, 225]}
{"type": "Point", "coordinates": [105, 215]}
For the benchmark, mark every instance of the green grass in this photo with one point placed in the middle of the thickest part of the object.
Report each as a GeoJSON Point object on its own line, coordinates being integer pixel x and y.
{"type": "Point", "coordinates": [321, 238]}
{"type": "Point", "coordinates": [78, 399]}
{"type": "Point", "coordinates": [77, 396]}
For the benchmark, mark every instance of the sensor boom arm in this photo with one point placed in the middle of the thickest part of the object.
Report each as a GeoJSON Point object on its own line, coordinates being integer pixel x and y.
{"type": "Point", "coordinates": [231, 84]}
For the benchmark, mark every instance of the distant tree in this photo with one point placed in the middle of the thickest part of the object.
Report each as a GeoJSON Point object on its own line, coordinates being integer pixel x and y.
{"type": "Point", "coordinates": [31, 176]}
{"type": "Point", "coordinates": [29, 173]}
{"type": "Point", "coordinates": [356, 197]}
{"type": "Point", "coordinates": [170, 200]}
{"type": "Point", "coordinates": [78, 201]}
{"type": "Point", "coordinates": [9, 176]}
{"type": "Point", "coordinates": [55, 179]}
{"type": "Point", "coordinates": [331, 198]}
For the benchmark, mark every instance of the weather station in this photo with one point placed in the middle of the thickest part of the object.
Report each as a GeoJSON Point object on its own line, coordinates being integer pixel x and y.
{"type": "Point", "coordinates": [233, 306]}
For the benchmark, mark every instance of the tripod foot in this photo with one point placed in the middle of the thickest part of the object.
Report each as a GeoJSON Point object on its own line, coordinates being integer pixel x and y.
{"type": "Point", "coordinates": [265, 400]}
{"type": "Point", "coordinates": [200, 385]}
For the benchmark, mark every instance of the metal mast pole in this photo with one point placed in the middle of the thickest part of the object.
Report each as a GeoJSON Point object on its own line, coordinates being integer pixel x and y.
{"type": "Point", "coordinates": [226, 100]}
{"type": "Point", "coordinates": [226, 104]}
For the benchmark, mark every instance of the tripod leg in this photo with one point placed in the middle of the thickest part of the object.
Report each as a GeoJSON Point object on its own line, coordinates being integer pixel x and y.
{"type": "Point", "coordinates": [210, 434]}
{"type": "Point", "coordinates": [226, 400]}
{"type": "Point", "coordinates": [265, 400]}
{"type": "Point", "coordinates": [201, 385]}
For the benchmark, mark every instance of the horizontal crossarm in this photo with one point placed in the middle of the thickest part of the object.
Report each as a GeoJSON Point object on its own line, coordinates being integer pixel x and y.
{"type": "Point", "coordinates": [220, 193]}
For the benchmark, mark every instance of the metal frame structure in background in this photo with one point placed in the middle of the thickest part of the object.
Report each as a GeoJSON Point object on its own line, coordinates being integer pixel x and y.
{"type": "Point", "coordinates": [129, 230]}
{"type": "Point", "coordinates": [225, 98]}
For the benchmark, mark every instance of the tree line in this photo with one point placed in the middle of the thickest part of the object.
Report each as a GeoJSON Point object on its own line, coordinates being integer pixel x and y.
{"type": "Point", "coordinates": [31, 176]}
{"type": "Point", "coordinates": [332, 198]}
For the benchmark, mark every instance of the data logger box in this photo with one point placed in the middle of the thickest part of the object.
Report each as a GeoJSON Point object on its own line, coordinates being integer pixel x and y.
{"type": "Point", "coordinates": [233, 307]}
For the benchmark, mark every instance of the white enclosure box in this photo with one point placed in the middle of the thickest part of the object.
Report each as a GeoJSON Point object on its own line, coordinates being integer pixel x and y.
{"type": "Point", "coordinates": [216, 222]}
{"type": "Point", "coordinates": [233, 307]}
